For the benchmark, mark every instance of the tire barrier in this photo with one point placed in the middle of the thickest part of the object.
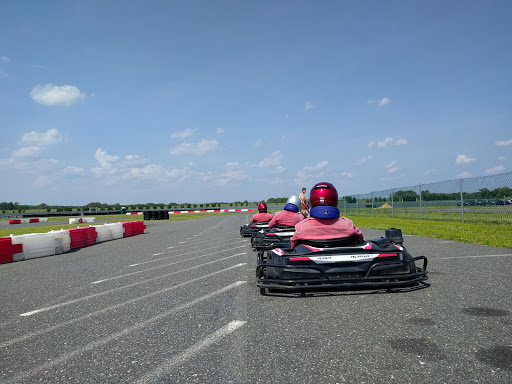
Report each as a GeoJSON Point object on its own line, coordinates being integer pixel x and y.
{"type": "Point", "coordinates": [156, 215]}
{"type": "Point", "coordinates": [214, 211]}
{"type": "Point", "coordinates": [29, 246]}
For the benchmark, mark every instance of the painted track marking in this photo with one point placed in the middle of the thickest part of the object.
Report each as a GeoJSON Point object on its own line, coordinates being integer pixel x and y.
{"type": "Point", "coordinates": [190, 352]}
{"type": "Point", "coordinates": [58, 360]}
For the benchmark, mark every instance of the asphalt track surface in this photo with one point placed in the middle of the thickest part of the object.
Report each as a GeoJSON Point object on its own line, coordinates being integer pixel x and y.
{"type": "Point", "coordinates": [179, 304]}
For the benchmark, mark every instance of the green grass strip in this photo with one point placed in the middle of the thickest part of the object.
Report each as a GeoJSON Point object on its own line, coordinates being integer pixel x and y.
{"type": "Point", "coordinates": [496, 235]}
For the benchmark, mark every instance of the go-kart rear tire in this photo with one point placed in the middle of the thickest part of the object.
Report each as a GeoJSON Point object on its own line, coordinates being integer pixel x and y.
{"type": "Point", "coordinates": [263, 292]}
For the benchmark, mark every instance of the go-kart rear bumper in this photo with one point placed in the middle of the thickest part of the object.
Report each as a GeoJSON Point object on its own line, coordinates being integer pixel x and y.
{"type": "Point", "coordinates": [314, 277]}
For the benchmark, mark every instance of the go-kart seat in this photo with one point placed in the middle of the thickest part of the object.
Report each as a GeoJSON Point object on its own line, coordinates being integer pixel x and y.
{"type": "Point", "coordinates": [331, 243]}
{"type": "Point", "coordinates": [281, 227]}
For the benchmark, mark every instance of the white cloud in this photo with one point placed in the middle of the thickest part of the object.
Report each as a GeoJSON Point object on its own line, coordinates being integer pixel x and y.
{"type": "Point", "coordinates": [273, 160]}
{"type": "Point", "coordinates": [501, 158]}
{"type": "Point", "coordinates": [278, 170]}
{"type": "Point", "coordinates": [463, 159]}
{"type": "Point", "coordinates": [72, 170]}
{"type": "Point", "coordinates": [497, 169]}
{"type": "Point", "coordinates": [52, 136]}
{"type": "Point", "coordinates": [149, 172]}
{"type": "Point", "coordinates": [197, 149]}
{"type": "Point", "coordinates": [231, 176]}
{"type": "Point", "coordinates": [386, 142]}
{"type": "Point", "coordinates": [131, 160]}
{"type": "Point", "coordinates": [54, 95]}
{"type": "Point", "coordinates": [310, 173]}
{"type": "Point", "coordinates": [5, 59]}
{"type": "Point", "coordinates": [232, 163]}
{"type": "Point", "coordinates": [431, 172]}
{"type": "Point", "coordinates": [219, 131]}
{"type": "Point", "coordinates": [317, 167]}
{"type": "Point", "coordinates": [381, 102]}
{"type": "Point", "coordinates": [25, 152]}
{"type": "Point", "coordinates": [346, 174]}
{"type": "Point", "coordinates": [364, 160]}
{"type": "Point", "coordinates": [309, 106]}
{"type": "Point", "coordinates": [258, 143]}
{"type": "Point", "coordinates": [391, 167]}
{"type": "Point", "coordinates": [3, 74]}
{"type": "Point", "coordinates": [42, 181]}
{"type": "Point", "coordinates": [104, 158]}
{"type": "Point", "coordinates": [384, 101]}
{"type": "Point", "coordinates": [183, 134]}
{"type": "Point", "coordinates": [505, 143]}
{"type": "Point", "coordinates": [464, 175]}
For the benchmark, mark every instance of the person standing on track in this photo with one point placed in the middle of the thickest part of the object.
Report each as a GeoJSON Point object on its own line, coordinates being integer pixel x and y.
{"type": "Point", "coordinates": [304, 203]}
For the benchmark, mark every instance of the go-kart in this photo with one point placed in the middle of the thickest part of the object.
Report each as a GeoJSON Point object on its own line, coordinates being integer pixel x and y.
{"type": "Point", "coordinates": [340, 263]}
{"type": "Point", "coordinates": [269, 238]}
{"type": "Point", "coordinates": [249, 230]}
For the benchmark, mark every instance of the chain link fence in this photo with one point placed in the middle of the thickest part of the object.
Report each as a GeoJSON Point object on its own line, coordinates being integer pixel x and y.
{"type": "Point", "coordinates": [486, 199]}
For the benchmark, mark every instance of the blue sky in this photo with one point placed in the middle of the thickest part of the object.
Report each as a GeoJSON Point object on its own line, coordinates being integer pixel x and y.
{"type": "Point", "coordinates": [204, 101]}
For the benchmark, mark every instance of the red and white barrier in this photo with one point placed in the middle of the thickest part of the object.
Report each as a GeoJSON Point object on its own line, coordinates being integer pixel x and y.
{"type": "Point", "coordinates": [8, 249]}
{"type": "Point", "coordinates": [28, 246]}
{"type": "Point", "coordinates": [80, 220]}
{"type": "Point", "coordinates": [25, 221]}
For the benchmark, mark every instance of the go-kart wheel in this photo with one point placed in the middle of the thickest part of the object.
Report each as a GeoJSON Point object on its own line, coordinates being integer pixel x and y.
{"type": "Point", "coordinates": [263, 292]}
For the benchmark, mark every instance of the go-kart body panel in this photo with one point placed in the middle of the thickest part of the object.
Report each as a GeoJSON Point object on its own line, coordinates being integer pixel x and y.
{"type": "Point", "coordinates": [377, 263]}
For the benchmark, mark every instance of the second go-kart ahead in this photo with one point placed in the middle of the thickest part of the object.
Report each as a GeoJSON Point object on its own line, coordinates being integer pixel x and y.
{"type": "Point", "coordinates": [277, 237]}
{"type": "Point", "coordinates": [340, 263]}
{"type": "Point", "coordinates": [249, 230]}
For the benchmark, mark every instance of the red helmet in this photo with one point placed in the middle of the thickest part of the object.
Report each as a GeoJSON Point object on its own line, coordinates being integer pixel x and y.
{"type": "Point", "coordinates": [262, 207]}
{"type": "Point", "coordinates": [323, 194]}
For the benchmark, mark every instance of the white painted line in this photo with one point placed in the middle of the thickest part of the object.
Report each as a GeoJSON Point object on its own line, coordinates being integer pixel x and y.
{"type": "Point", "coordinates": [182, 254]}
{"type": "Point", "coordinates": [471, 257]}
{"type": "Point", "coordinates": [69, 355]}
{"type": "Point", "coordinates": [238, 241]}
{"type": "Point", "coordinates": [111, 308]}
{"type": "Point", "coordinates": [145, 281]}
{"type": "Point", "coordinates": [152, 269]}
{"type": "Point", "coordinates": [186, 355]}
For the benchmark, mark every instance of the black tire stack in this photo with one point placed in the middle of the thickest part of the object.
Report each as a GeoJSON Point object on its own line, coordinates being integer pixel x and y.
{"type": "Point", "coordinates": [156, 215]}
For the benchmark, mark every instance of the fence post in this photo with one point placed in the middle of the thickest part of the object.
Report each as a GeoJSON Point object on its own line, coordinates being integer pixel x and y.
{"type": "Point", "coordinates": [372, 204]}
{"type": "Point", "coordinates": [461, 200]}
{"type": "Point", "coordinates": [357, 205]}
{"type": "Point", "coordinates": [392, 203]}
{"type": "Point", "coordinates": [421, 207]}
{"type": "Point", "coordinates": [345, 204]}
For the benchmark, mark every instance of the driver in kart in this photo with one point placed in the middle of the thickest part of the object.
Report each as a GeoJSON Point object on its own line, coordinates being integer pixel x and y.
{"type": "Point", "coordinates": [324, 222]}
{"type": "Point", "coordinates": [289, 216]}
{"type": "Point", "coordinates": [262, 214]}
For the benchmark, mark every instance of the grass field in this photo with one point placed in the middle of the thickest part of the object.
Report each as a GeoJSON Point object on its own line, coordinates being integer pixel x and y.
{"type": "Point", "coordinates": [491, 215]}
{"type": "Point", "coordinates": [496, 235]}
